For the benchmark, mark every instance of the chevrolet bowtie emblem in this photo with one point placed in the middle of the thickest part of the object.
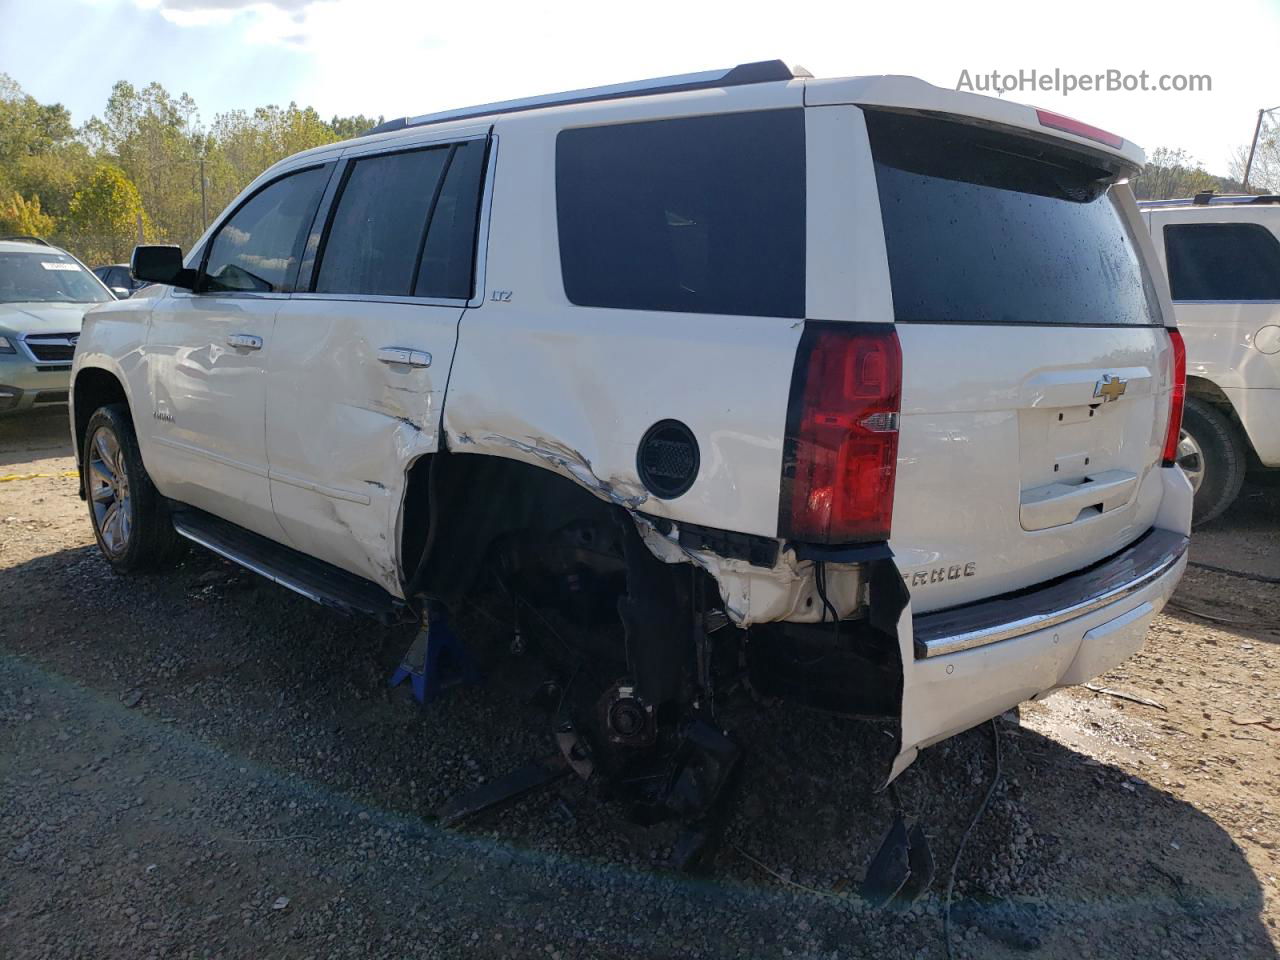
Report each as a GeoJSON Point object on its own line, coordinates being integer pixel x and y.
{"type": "Point", "coordinates": [1110, 388]}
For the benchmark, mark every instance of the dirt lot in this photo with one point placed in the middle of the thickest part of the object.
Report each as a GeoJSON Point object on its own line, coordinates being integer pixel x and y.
{"type": "Point", "coordinates": [203, 765]}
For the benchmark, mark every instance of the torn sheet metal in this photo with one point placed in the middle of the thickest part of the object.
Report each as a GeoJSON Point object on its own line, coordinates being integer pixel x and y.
{"type": "Point", "coordinates": [751, 594]}
{"type": "Point", "coordinates": [578, 467]}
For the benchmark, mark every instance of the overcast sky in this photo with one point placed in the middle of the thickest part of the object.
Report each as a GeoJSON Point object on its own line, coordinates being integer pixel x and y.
{"type": "Point", "coordinates": [398, 57]}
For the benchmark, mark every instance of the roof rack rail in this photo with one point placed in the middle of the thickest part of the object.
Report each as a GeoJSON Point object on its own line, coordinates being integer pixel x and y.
{"type": "Point", "coordinates": [764, 71]}
{"type": "Point", "coordinates": [22, 238]}
{"type": "Point", "coordinates": [1210, 199]}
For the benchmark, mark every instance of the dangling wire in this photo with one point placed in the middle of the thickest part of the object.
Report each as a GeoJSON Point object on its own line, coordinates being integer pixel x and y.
{"type": "Point", "coordinates": [982, 808]}
{"type": "Point", "coordinates": [820, 580]}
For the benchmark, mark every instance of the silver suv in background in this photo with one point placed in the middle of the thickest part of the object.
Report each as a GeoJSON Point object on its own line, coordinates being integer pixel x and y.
{"type": "Point", "coordinates": [44, 293]}
{"type": "Point", "coordinates": [1222, 255]}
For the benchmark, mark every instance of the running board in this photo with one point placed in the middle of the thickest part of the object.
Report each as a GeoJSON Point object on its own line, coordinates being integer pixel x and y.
{"type": "Point", "coordinates": [314, 579]}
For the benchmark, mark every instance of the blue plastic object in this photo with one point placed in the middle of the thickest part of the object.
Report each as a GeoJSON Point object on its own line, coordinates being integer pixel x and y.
{"type": "Point", "coordinates": [434, 648]}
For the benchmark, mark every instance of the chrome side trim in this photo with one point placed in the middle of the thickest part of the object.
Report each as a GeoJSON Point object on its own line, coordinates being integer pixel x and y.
{"type": "Point", "coordinates": [1006, 617]}
{"type": "Point", "coordinates": [336, 493]}
{"type": "Point", "coordinates": [209, 454]}
{"type": "Point", "coordinates": [196, 537]}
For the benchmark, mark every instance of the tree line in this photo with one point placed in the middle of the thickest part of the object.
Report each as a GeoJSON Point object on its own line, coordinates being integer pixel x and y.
{"type": "Point", "coordinates": [147, 168]}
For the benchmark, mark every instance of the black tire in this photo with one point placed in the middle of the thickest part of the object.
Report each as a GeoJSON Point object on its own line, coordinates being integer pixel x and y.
{"type": "Point", "coordinates": [1222, 451]}
{"type": "Point", "coordinates": [141, 537]}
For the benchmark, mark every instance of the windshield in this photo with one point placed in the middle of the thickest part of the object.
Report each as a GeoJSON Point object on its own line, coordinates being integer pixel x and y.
{"type": "Point", "coordinates": [47, 278]}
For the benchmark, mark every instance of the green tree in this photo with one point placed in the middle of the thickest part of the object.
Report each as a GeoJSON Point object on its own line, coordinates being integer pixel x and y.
{"type": "Point", "coordinates": [181, 172]}
{"type": "Point", "coordinates": [38, 151]}
{"type": "Point", "coordinates": [1171, 173]}
{"type": "Point", "coordinates": [26, 126]}
{"type": "Point", "coordinates": [241, 144]}
{"type": "Point", "coordinates": [106, 217]}
{"type": "Point", "coordinates": [348, 128]}
{"type": "Point", "coordinates": [155, 139]}
{"type": "Point", "coordinates": [21, 217]}
{"type": "Point", "coordinates": [1264, 175]}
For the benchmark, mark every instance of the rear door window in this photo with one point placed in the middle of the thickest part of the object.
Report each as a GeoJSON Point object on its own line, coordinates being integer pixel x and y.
{"type": "Point", "coordinates": [983, 227]}
{"type": "Point", "coordinates": [1222, 261]}
{"type": "Point", "coordinates": [448, 257]}
{"type": "Point", "coordinates": [696, 214]}
{"type": "Point", "coordinates": [378, 227]}
{"type": "Point", "coordinates": [257, 249]}
{"type": "Point", "coordinates": [404, 224]}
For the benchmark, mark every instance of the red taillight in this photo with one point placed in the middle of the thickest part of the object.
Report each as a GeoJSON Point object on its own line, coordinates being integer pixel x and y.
{"type": "Point", "coordinates": [841, 452]}
{"type": "Point", "coordinates": [1177, 394]}
{"type": "Point", "coordinates": [1056, 121]}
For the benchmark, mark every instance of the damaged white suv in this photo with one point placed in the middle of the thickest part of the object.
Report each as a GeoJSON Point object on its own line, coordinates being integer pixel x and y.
{"type": "Point", "coordinates": [862, 389]}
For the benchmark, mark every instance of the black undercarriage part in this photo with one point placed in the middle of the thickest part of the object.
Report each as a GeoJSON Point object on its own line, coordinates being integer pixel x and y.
{"type": "Point", "coordinates": [638, 651]}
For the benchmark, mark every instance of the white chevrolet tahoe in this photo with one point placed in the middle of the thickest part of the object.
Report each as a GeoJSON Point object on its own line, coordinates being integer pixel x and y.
{"type": "Point", "coordinates": [859, 392]}
{"type": "Point", "coordinates": [1222, 255]}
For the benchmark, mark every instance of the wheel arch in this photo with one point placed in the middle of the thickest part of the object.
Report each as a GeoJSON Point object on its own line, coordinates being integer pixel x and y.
{"type": "Point", "coordinates": [457, 505]}
{"type": "Point", "coordinates": [1207, 391]}
{"type": "Point", "coordinates": [93, 387]}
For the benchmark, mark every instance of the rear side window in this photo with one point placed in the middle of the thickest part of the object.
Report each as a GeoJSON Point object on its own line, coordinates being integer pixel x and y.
{"type": "Point", "coordinates": [1222, 261]}
{"type": "Point", "coordinates": [697, 214]}
{"type": "Point", "coordinates": [986, 228]}
{"type": "Point", "coordinates": [257, 249]}
{"type": "Point", "coordinates": [404, 225]}
{"type": "Point", "coordinates": [448, 257]}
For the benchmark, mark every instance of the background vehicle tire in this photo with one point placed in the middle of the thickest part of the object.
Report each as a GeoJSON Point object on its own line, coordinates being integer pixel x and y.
{"type": "Point", "coordinates": [130, 520]}
{"type": "Point", "coordinates": [1212, 453]}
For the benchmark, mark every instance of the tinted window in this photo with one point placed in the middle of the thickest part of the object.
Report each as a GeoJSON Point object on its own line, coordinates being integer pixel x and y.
{"type": "Point", "coordinates": [47, 278]}
{"type": "Point", "coordinates": [258, 248]}
{"type": "Point", "coordinates": [698, 214]}
{"type": "Point", "coordinates": [1222, 261]}
{"type": "Point", "coordinates": [377, 229]}
{"type": "Point", "coordinates": [449, 254]}
{"type": "Point", "coordinates": [983, 227]}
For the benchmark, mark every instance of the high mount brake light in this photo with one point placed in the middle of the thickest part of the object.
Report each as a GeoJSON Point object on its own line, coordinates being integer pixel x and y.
{"type": "Point", "coordinates": [1177, 397]}
{"type": "Point", "coordinates": [841, 452]}
{"type": "Point", "coordinates": [1056, 121]}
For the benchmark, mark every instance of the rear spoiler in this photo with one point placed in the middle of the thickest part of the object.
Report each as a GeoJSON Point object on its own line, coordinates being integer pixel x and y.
{"type": "Point", "coordinates": [913, 95]}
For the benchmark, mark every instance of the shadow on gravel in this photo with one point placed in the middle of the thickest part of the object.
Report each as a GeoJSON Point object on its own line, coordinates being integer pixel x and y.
{"type": "Point", "coordinates": [1244, 538]}
{"type": "Point", "coordinates": [46, 433]}
{"type": "Point", "coordinates": [193, 747]}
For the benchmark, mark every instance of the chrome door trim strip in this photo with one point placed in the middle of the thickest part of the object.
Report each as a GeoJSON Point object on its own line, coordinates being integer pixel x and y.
{"type": "Point", "coordinates": [209, 454]}
{"type": "Point", "coordinates": [336, 493]}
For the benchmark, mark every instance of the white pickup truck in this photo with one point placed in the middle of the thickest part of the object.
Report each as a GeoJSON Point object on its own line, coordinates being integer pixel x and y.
{"type": "Point", "coordinates": [1222, 254]}
{"type": "Point", "coordinates": [864, 387]}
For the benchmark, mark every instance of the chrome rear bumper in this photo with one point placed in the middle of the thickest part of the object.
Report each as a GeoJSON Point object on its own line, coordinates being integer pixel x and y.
{"type": "Point", "coordinates": [1026, 611]}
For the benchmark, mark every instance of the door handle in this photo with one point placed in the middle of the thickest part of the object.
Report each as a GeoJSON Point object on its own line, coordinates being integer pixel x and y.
{"type": "Point", "coordinates": [244, 341]}
{"type": "Point", "coordinates": [405, 356]}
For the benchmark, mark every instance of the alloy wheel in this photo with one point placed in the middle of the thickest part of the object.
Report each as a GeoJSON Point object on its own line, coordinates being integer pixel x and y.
{"type": "Point", "coordinates": [1191, 459]}
{"type": "Point", "coordinates": [109, 490]}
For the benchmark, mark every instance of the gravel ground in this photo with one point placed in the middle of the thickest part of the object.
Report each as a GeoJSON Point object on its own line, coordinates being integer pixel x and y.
{"type": "Point", "coordinates": [201, 764]}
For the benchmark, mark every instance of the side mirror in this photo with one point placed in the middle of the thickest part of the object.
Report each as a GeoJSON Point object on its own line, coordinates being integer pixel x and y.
{"type": "Point", "coordinates": [161, 263]}
{"type": "Point", "coordinates": [122, 293]}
